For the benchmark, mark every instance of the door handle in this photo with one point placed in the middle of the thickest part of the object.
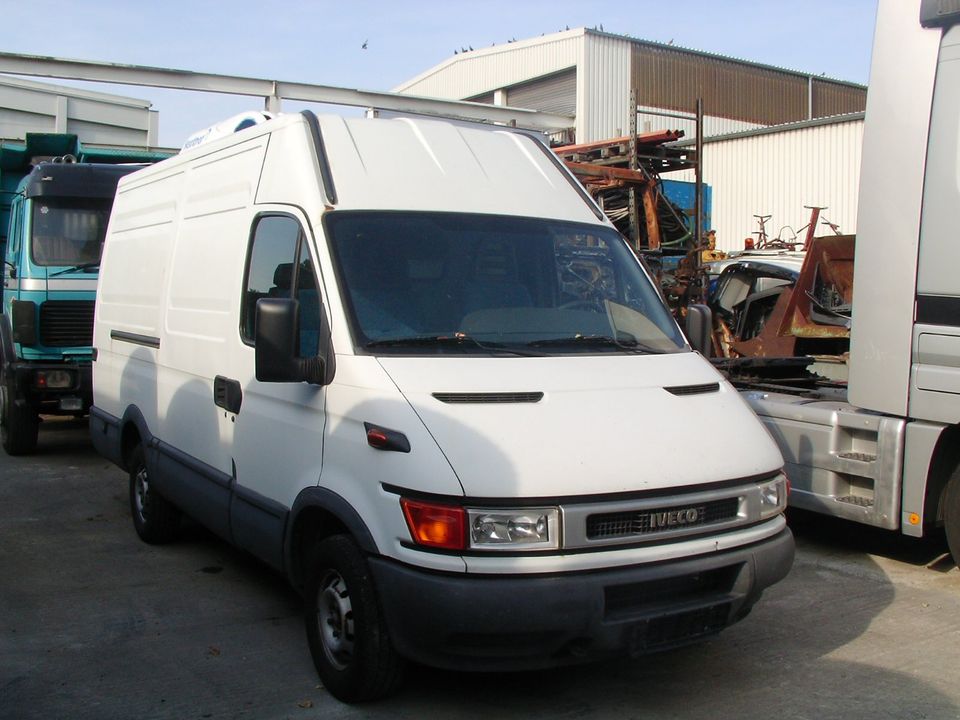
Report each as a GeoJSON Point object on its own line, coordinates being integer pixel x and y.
{"type": "Point", "coordinates": [227, 394]}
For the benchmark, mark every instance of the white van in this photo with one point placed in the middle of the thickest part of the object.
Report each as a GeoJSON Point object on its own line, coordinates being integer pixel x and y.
{"type": "Point", "coordinates": [411, 365]}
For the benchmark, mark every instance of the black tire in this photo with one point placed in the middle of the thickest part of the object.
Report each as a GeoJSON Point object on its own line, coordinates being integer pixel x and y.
{"type": "Point", "coordinates": [345, 626]}
{"type": "Point", "coordinates": [18, 424]}
{"type": "Point", "coordinates": [155, 519]}
{"type": "Point", "coordinates": [951, 516]}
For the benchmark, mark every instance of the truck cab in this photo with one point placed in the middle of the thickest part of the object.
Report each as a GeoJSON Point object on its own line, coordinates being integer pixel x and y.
{"type": "Point", "coordinates": [58, 220]}
{"type": "Point", "coordinates": [885, 449]}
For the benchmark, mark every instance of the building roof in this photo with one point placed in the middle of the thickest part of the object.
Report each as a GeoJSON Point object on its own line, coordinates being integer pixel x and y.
{"type": "Point", "coordinates": [582, 32]}
{"type": "Point", "coordinates": [52, 89]}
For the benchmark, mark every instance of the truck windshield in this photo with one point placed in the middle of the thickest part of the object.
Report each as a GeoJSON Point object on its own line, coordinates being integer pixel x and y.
{"type": "Point", "coordinates": [426, 283]}
{"type": "Point", "coordinates": [68, 231]}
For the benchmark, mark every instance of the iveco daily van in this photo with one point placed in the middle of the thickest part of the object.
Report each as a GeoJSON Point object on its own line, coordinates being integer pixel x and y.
{"type": "Point", "coordinates": [412, 366]}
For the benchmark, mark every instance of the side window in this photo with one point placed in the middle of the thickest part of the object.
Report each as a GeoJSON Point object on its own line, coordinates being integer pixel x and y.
{"type": "Point", "coordinates": [279, 266]}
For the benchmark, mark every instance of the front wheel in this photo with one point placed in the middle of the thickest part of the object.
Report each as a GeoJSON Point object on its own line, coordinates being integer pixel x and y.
{"type": "Point", "coordinates": [345, 627]}
{"type": "Point", "coordinates": [155, 519]}
{"type": "Point", "coordinates": [951, 516]}
{"type": "Point", "coordinates": [19, 424]}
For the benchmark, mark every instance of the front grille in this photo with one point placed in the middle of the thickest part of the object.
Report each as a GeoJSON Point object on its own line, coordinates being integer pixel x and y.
{"type": "Point", "coordinates": [66, 323]}
{"type": "Point", "coordinates": [655, 520]}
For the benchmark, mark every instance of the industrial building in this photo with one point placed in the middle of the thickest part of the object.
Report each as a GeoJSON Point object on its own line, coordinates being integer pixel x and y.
{"type": "Point", "coordinates": [96, 118]}
{"type": "Point", "coordinates": [776, 139]}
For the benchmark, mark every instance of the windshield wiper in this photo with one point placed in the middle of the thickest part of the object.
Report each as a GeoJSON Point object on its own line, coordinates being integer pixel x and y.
{"type": "Point", "coordinates": [455, 340]}
{"type": "Point", "coordinates": [628, 344]}
{"type": "Point", "coordinates": [76, 268]}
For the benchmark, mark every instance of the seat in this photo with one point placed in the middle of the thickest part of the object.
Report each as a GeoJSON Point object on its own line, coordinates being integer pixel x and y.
{"type": "Point", "coordinates": [495, 282]}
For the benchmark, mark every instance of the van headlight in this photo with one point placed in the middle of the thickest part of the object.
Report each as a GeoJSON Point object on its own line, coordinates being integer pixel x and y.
{"type": "Point", "coordinates": [511, 530]}
{"type": "Point", "coordinates": [773, 497]}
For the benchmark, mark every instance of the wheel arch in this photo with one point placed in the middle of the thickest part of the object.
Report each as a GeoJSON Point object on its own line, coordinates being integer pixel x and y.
{"type": "Point", "coordinates": [318, 513]}
{"type": "Point", "coordinates": [944, 463]}
{"type": "Point", "coordinates": [133, 431]}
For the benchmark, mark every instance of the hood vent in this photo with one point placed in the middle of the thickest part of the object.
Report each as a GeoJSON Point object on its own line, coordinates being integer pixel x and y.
{"type": "Point", "coordinates": [496, 398]}
{"type": "Point", "coordinates": [693, 389]}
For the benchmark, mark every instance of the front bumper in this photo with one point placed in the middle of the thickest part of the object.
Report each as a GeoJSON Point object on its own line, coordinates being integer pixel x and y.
{"type": "Point", "coordinates": [491, 623]}
{"type": "Point", "coordinates": [79, 396]}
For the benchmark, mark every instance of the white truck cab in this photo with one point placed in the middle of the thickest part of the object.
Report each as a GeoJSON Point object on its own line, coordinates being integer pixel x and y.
{"type": "Point", "coordinates": [411, 365]}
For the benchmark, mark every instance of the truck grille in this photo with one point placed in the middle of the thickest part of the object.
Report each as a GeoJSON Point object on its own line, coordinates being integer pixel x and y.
{"type": "Point", "coordinates": [644, 522]}
{"type": "Point", "coordinates": [66, 323]}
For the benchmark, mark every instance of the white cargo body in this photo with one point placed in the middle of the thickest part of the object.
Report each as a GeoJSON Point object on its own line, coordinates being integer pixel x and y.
{"type": "Point", "coordinates": [408, 364]}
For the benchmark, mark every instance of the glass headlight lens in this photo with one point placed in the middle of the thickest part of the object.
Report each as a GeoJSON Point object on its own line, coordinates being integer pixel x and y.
{"type": "Point", "coordinates": [504, 529]}
{"type": "Point", "coordinates": [773, 497]}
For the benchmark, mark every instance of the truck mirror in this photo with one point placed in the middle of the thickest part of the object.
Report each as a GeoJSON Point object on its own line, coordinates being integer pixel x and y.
{"type": "Point", "coordinates": [699, 329]}
{"type": "Point", "coordinates": [276, 335]}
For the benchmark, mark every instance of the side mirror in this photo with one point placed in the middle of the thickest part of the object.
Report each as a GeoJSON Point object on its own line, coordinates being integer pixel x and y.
{"type": "Point", "coordinates": [699, 329]}
{"type": "Point", "coordinates": [276, 336]}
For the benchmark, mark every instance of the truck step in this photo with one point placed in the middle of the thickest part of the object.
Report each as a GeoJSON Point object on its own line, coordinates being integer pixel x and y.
{"type": "Point", "coordinates": [858, 456]}
{"type": "Point", "coordinates": [856, 500]}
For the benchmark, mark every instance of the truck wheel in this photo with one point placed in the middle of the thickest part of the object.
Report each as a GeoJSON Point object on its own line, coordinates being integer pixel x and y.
{"type": "Point", "coordinates": [155, 519]}
{"type": "Point", "coordinates": [345, 627]}
{"type": "Point", "coordinates": [18, 425]}
{"type": "Point", "coordinates": [951, 516]}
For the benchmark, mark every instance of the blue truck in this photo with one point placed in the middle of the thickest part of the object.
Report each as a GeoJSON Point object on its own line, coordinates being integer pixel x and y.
{"type": "Point", "coordinates": [56, 199]}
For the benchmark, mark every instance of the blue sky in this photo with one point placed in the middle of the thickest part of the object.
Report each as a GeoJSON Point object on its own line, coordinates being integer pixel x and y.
{"type": "Point", "coordinates": [320, 41]}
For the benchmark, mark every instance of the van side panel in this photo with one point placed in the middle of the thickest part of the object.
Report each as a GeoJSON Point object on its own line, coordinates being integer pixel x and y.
{"type": "Point", "coordinates": [201, 314]}
{"type": "Point", "coordinates": [128, 311]}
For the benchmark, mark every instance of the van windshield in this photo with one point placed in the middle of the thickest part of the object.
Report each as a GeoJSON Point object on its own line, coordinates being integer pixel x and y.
{"type": "Point", "coordinates": [68, 231]}
{"type": "Point", "coordinates": [427, 283]}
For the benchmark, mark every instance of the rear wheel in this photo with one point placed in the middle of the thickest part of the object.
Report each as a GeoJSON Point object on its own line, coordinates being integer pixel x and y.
{"type": "Point", "coordinates": [155, 519]}
{"type": "Point", "coordinates": [345, 626]}
{"type": "Point", "coordinates": [951, 516]}
{"type": "Point", "coordinates": [18, 424]}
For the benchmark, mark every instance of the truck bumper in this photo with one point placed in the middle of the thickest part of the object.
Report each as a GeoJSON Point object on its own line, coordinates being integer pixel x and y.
{"type": "Point", "coordinates": [71, 400]}
{"type": "Point", "coordinates": [509, 622]}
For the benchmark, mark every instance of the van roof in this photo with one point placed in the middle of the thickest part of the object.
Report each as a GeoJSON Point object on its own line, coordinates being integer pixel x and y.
{"type": "Point", "coordinates": [421, 164]}
{"type": "Point", "coordinates": [433, 165]}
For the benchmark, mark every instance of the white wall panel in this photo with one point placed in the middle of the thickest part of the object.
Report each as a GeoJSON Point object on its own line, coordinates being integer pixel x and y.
{"type": "Point", "coordinates": [777, 174]}
{"type": "Point", "coordinates": [488, 69]}
{"type": "Point", "coordinates": [603, 88]}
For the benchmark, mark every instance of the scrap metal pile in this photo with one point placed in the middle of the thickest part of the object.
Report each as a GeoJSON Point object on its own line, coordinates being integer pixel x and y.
{"type": "Point", "coordinates": [624, 176]}
{"type": "Point", "coordinates": [611, 169]}
{"type": "Point", "coordinates": [797, 306]}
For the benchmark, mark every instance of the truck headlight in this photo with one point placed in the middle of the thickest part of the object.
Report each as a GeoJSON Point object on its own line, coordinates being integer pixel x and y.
{"type": "Point", "coordinates": [509, 529]}
{"type": "Point", "coordinates": [773, 497]}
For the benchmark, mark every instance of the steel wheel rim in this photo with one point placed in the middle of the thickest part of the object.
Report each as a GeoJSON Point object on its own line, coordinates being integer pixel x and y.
{"type": "Point", "coordinates": [335, 620]}
{"type": "Point", "coordinates": [141, 489]}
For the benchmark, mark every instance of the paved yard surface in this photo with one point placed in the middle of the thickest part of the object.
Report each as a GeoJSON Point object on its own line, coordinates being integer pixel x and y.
{"type": "Point", "coordinates": [95, 624]}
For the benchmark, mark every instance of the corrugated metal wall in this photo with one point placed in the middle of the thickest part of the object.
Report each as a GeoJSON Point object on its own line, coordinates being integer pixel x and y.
{"type": "Point", "coordinates": [603, 88]}
{"type": "Point", "coordinates": [555, 93]}
{"type": "Point", "coordinates": [648, 122]}
{"type": "Point", "coordinates": [777, 173]}
{"type": "Point", "coordinates": [832, 99]}
{"type": "Point", "coordinates": [675, 78]}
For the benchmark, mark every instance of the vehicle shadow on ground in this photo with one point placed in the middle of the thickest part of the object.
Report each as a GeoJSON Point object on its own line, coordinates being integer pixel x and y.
{"type": "Point", "coordinates": [837, 536]}
{"type": "Point", "coordinates": [800, 654]}
{"type": "Point", "coordinates": [220, 635]}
